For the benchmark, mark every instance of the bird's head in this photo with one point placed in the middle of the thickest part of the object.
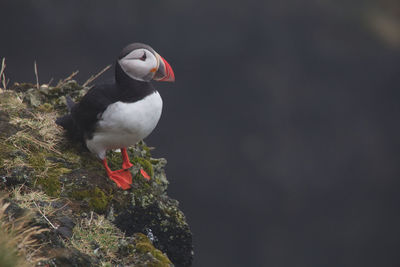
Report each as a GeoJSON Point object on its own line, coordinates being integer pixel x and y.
{"type": "Point", "coordinates": [141, 62]}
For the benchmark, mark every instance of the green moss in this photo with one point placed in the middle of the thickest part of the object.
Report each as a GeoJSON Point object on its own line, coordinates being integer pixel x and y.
{"type": "Point", "coordinates": [79, 158]}
{"type": "Point", "coordinates": [143, 245]}
{"type": "Point", "coordinates": [114, 160]}
{"type": "Point", "coordinates": [146, 165]}
{"type": "Point", "coordinates": [70, 154]}
{"type": "Point", "coordinates": [97, 232]}
{"type": "Point", "coordinates": [47, 173]}
{"type": "Point", "coordinates": [98, 200]}
{"type": "Point", "coordinates": [161, 257]}
{"type": "Point", "coordinates": [51, 185]}
{"type": "Point", "coordinates": [89, 162]}
{"type": "Point", "coordinates": [142, 146]}
{"type": "Point", "coordinates": [142, 195]}
{"type": "Point", "coordinates": [130, 248]}
{"type": "Point", "coordinates": [46, 107]}
{"type": "Point", "coordinates": [37, 161]}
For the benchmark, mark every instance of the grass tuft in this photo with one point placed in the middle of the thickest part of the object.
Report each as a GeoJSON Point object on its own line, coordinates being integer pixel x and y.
{"type": "Point", "coordinates": [96, 235]}
{"type": "Point", "coordinates": [18, 246]}
{"type": "Point", "coordinates": [3, 81]}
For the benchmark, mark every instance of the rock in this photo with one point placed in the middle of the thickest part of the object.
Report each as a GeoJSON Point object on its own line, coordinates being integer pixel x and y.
{"type": "Point", "coordinates": [70, 257]}
{"type": "Point", "coordinates": [6, 128]}
{"type": "Point", "coordinates": [33, 97]}
{"type": "Point", "coordinates": [167, 226]}
{"type": "Point", "coordinates": [66, 232]}
{"type": "Point", "coordinates": [18, 175]}
{"type": "Point", "coordinates": [89, 219]}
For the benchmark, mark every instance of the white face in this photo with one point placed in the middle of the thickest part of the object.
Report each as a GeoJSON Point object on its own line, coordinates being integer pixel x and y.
{"type": "Point", "coordinates": [140, 64]}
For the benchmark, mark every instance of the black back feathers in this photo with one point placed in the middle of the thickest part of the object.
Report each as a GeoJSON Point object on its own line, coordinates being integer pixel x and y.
{"type": "Point", "coordinates": [82, 120]}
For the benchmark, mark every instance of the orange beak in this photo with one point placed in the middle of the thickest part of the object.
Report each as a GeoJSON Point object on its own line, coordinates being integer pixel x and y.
{"type": "Point", "coordinates": [164, 72]}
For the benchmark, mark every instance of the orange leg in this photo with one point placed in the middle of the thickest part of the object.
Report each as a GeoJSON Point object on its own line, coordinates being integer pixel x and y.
{"type": "Point", "coordinates": [126, 164]}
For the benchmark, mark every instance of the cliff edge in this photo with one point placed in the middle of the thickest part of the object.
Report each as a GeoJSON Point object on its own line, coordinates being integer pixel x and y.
{"type": "Point", "coordinates": [62, 189]}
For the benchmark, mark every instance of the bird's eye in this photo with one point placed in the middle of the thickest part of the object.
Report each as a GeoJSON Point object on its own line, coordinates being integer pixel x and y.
{"type": "Point", "coordinates": [143, 58]}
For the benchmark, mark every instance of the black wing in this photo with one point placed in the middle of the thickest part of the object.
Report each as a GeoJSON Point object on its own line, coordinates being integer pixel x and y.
{"type": "Point", "coordinates": [81, 122]}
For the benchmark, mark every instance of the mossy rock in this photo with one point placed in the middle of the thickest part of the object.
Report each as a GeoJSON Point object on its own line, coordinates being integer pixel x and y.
{"type": "Point", "coordinates": [166, 223]}
{"type": "Point", "coordinates": [97, 199]}
{"type": "Point", "coordinates": [6, 128]}
{"type": "Point", "coordinates": [143, 245]}
{"type": "Point", "coordinates": [35, 153]}
{"type": "Point", "coordinates": [146, 165]}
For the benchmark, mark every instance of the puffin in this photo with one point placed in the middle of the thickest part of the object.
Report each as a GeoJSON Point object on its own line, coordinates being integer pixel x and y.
{"type": "Point", "coordinates": [118, 115]}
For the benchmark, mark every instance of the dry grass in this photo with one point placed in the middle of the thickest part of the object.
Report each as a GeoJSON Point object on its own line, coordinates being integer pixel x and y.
{"type": "Point", "coordinates": [18, 246]}
{"type": "Point", "coordinates": [100, 232]}
{"type": "Point", "coordinates": [17, 162]}
{"type": "Point", "coordinates": [41, 123]}
{"type": "Point", "coordinates": [13, 102]}
{"type": "Point", "coordinates": [3, 80]}
{"type": "Point", "coordinates": [94, 77]}
{"type": "Point", "coordinates": [29, 199]}
{"type": "Point", "coordinates": [48, 135]}
{"type": "Point", "coordinates": [36, 75]}
{"type": "Point", "coordinates": [64, 81]}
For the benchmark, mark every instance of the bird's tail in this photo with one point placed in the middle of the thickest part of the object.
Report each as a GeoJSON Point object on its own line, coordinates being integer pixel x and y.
{"type": "Point", "coordinates": [70, 103]}
{"type": "Point", "coordinates": [67, 121]}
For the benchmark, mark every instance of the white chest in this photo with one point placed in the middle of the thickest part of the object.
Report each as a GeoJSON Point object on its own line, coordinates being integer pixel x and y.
{"type": "Point", "coordinates": [124, 124]}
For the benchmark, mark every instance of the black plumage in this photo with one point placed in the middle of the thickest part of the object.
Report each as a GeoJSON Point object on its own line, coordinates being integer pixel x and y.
{"type": "Point", "coordinates": [81, 122]}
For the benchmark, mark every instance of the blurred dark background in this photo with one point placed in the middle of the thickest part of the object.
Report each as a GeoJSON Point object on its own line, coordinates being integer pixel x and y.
{"type": "Point", "coordinates": [281, 131]}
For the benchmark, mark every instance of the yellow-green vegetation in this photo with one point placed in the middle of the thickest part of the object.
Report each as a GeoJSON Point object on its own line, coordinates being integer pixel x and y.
{"type": "Point", "coordinates": [98, 200]}
{"type": "Point", "coordinates": [96, 235]}
{"type": "Point", "coordinates": [11, 102]}
{"type": "Point", "coordinates": [141, 160]}
{"type": "Point", "coordinates": [145, 164]}
{"type": "Point", "coordinates": [144, 246]}
{"type": "Point", "coordinates": [17, 244]}
{"type": "Point", "coordinates": [29, 199]}
{"type": "Point", "coordinates": [35, 141]}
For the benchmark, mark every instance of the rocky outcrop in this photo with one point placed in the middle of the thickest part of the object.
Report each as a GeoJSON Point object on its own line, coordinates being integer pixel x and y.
{"type": "Point", "coordinates": [91, 222]}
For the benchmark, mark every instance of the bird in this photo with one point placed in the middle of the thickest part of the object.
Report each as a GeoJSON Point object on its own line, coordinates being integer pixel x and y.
{"type": "Point", "coordinates": [119, 114]}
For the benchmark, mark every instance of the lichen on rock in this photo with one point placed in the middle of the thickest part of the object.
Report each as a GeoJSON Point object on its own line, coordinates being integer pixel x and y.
{"type": "Point", "coordinates": [36, 158]}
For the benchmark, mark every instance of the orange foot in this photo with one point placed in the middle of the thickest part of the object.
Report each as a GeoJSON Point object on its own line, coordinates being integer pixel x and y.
{"type": "Point", "coordinates": [126, 164]}
{"type": "Point", "coordinates": [123, 178]}
{"type": "Point", "coordinates": [145, 175]}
